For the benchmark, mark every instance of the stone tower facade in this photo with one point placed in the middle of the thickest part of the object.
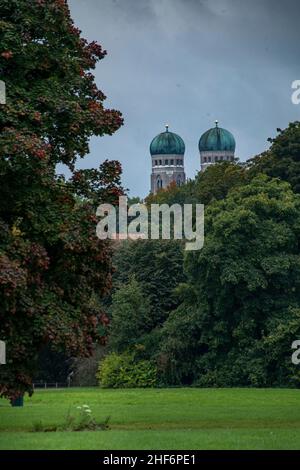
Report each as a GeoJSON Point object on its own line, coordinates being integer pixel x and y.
{"type": "Point", "coordinates": [167, 153]}
{"type": "Point", "coordinates": [216, 145]}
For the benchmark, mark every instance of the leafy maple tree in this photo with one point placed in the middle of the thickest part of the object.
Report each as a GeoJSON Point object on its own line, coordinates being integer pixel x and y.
{"type": "Point", "coordinates": [53, 269]}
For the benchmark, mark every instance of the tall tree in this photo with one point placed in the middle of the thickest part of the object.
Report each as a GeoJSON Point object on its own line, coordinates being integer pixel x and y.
{"type": "Point", "coordinates": [53, 269]}
{"type": "Point", "coordinates": [241, 308]}
{"type": "Point", "coordinates": [282, 160]}
{"type": "Point", "coordinates": [131, 316]}
{"type": "Point", "coordinates": [157, 265]}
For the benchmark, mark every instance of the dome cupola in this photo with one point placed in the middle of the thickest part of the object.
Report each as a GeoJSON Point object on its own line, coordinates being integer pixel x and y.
{"type": "Point", "coordinates": [217, 139]}
{"type": "Point", "coordinates": [167, 143]}
{"type": "Point", "coordinates": [216, 145]}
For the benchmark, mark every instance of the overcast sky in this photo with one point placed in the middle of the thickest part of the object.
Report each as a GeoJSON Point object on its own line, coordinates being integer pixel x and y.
{"type": "Point", "coordinates": [187, 63]}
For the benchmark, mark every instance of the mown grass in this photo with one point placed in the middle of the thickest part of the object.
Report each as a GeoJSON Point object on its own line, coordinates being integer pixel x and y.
{"type": "Point", "coordinates": [183, 418]}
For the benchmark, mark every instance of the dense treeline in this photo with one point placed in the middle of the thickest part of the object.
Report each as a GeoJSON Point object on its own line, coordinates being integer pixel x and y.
{"type": "Point", "coordinates": [225, 315]}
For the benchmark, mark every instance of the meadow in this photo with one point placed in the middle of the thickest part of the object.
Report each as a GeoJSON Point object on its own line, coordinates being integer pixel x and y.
{"type": "Point", "coordinates": [183, 418]}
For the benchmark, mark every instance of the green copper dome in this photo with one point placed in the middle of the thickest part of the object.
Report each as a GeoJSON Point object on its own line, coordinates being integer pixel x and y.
{"type": "Point", "coordinates": [167, 143]}
{"type": "Point", "coordinates": [216, 139]}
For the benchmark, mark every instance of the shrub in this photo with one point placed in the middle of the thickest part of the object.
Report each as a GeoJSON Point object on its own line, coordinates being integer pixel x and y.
{"type": "Point", "coordinates": [124, 371]}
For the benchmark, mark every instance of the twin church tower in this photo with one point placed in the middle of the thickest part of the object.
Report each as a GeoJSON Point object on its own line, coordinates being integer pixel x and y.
{"type": "Point", "coordinates": [167, 152]}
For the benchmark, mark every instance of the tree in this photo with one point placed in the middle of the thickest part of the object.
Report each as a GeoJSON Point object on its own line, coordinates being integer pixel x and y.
{"type": "Point", "coordinates": [217, 180]}
{"type": "Point", "coordinates": [157, 266]}
{"type": "Point", "coordinates": [179, 346]}
{"type": "Point", "coordinates": [53, 269]}
{"type": "Point", "coordinates": [209, 185]}
{"type": "Point", "coordinates": [131, 316]}
{"type": "Point", "coordinates": [242, 294]}
{"type": "Point", "coordinates": [172, 194]}
{"type": "Point", "coordinates": [282, 160]}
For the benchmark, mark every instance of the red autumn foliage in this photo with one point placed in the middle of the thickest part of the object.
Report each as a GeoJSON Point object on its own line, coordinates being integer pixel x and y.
{"type": "Point", "coordinates": [53, 268]}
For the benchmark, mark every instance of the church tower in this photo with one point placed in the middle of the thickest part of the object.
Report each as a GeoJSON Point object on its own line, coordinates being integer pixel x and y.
{"type": "Point", "coordinates": [216, 145]}
{"type": "Point", "coordinates": [167, 154]}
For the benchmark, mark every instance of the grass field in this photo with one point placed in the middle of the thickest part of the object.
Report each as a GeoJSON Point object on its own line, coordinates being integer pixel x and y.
{"type": "Point", "coordinates": [159, 419]}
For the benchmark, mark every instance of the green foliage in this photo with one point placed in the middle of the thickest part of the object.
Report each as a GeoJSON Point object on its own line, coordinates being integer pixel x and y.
{"type": "Point", "coordinates": [144, 283]}
{"type": "Point", "coordinates": [157, 266]}
{"type": "Point", "coordinates": [53, 104]}
{"type": "Point", "coordinates": [240, 300]}
{"type": "Point", "coordinates": [173, 194]}
{"type": "Point", "coordinates": [212, 184]}
{"type": "Point", "coordinates": [53, 268]}
{"type": "Point", "coordinates": [131, 316]}
{"type": "Point", "coordinates": [179, 346]}
{"type": "Point", "coordinates": [217, 180]}
{"type": "Point", "coordinates": [237, 324]}
{"type": "Point", "coordinates": [282, 160]}
{"type": "Point", "coordinates": [126, 371]}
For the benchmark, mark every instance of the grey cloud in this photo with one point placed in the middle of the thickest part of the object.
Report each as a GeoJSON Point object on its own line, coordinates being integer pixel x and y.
{"type": "Point", "coordinates": [188, 62]}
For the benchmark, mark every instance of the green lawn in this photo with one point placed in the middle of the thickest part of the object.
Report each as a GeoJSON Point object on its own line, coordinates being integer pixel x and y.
{"type": "Point", "coordinates": [159, 419]}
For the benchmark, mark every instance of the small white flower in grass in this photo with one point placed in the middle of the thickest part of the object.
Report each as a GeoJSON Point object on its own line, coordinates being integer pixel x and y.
{"type": "Point", "coordinates": [85, 406]}
{"type": "Point", "coordinates": [88, 411]}
{"type": "Point", "coordinates": [78, 407]}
